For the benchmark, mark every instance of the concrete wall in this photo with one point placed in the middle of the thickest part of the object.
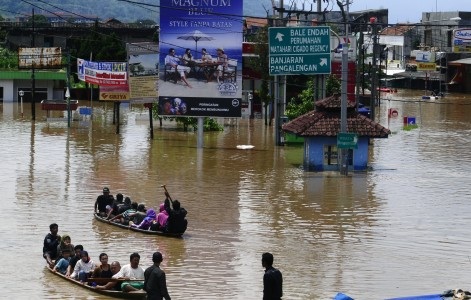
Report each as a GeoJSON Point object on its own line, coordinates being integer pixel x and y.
{"type": "Point", "coordinates": [11, 88]}
{"type": "Point", "coordinates": [314, 154]}
{"type": "Point", "coordinates": [7, 90]}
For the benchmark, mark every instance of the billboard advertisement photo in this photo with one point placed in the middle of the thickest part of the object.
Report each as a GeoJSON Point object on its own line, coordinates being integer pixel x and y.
{"type": "Point", "coordinates": [201, 57]}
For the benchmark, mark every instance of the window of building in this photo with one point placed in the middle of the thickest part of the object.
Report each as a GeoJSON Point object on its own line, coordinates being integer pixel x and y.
{"type": "Point", "coordinates": [330, 155]}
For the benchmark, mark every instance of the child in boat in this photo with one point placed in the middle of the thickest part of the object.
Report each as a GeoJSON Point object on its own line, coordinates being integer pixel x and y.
{"type": "Point", "coordinates": [63, 263]}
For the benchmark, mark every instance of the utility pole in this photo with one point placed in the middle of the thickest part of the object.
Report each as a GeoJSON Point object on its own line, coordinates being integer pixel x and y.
{"type": "Point", "coordinates": [374, 70]}
{"type": "Point", "coordinates": [278, 124]}
{"type": "Point", "coordinates": [67, 93]}
{"type": "Point", "coordinates": [33, 82]}
{"type": "Point", "coordinates": [343, 108]}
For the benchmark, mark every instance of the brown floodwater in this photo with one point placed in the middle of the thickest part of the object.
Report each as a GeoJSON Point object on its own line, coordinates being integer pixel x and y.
{"type": "Point", "coordinates": [400, 229]}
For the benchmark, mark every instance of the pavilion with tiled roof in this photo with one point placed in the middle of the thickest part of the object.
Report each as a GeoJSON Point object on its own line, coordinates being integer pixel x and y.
{"type": "Point", "coordinates": [320, 128]}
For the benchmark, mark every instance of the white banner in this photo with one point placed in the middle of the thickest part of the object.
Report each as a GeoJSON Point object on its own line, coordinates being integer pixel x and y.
{"type": "Point", "coordinates": [102, 73]}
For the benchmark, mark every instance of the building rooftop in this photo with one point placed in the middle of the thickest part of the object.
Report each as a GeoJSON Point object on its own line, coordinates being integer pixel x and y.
{"type": "Point", "coordinates": [325, 121]}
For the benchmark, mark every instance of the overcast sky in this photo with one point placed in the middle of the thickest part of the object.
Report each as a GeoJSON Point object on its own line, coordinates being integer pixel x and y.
{"type": "Point", "coordinates": [411, 10]}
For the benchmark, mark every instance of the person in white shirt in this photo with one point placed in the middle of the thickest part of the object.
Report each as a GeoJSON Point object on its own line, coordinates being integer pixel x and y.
{"type": "Point", "coordinates": [131, 271]}
{"type": "Point", "coordinates": [205, 56]}
{"type": "Point", "coordinates": [175, 62]}
{"type": "Point", "coordinates": [84, 267]}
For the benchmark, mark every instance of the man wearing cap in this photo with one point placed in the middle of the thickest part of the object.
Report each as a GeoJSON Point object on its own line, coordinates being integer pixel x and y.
{"type": "Point", "coordinates": [155, 283]}
{"type": "Point", "coordinates": [102, 201]}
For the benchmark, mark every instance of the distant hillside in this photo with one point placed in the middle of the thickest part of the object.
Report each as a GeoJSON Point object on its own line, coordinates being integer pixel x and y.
{"type": "Point", "coordinates": [106, 9]}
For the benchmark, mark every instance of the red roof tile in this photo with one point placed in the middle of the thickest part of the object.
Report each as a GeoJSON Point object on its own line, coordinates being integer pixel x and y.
{"type": "Point", "coordinates": [325, 121]}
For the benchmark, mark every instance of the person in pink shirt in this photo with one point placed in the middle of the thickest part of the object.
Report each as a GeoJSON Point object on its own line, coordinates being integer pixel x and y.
{"type": "Point", "coordinates": [161, 220]}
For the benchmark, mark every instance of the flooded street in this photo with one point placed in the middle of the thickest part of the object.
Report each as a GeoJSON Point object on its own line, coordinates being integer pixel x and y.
{"type": "Point", "coordinates": [400, 229]}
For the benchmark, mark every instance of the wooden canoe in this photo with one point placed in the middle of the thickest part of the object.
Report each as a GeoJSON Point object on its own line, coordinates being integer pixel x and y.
{"type": "Point", "coordinates": [169, 234]}
{"type": "Point", "coordinates": [449, 294]}
{"type": "Point", "coordinates": [110, 293]}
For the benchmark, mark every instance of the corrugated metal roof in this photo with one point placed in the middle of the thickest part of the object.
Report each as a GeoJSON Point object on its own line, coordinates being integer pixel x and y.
{"type": "Point", "coordinates": [39, 75]}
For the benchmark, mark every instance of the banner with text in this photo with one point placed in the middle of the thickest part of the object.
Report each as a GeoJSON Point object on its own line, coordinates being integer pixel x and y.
{"type": "Point", "coordinates": [462, 40]}
{"type": "Point", "coordinates": [201, 46]}
{"type": "Point", "coordinates": [40, 58]}
{"type": "Point", "coordinates": [102, 73]}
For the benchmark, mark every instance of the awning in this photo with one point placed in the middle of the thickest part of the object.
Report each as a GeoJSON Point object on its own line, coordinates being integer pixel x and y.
{"type": "Point", "coordinates": [464, 61]}
{"type": "Point", "coordinates": [39, 75]}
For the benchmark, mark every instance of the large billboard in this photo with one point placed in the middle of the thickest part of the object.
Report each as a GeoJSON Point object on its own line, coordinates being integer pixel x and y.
{"type": "Point", "coordinates": [200, 66]}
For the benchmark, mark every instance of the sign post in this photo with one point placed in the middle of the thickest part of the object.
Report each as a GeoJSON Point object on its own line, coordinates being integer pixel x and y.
{"type": "Point", "coordinates": [21, 93]}
{"type": "Point", "coordinates": [299, 50]}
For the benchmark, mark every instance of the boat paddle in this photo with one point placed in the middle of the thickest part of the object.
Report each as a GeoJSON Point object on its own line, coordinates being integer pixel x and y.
{"type": "Point", "coordinates": [106, 280]}
{"type": "Point", "coordinates": [167, 193]}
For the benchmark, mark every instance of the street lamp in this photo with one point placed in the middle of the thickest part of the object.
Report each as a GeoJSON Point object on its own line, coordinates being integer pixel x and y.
{"type": "Point", "coordinates": [21, 93]}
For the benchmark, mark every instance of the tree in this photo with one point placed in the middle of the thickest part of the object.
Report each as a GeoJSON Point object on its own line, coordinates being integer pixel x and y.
{"type": "Point", "coordinates": [8, 59]}
{"type": "Point", "coordinates": [209, 124]}
{"type": "Point", "coordinates": [260, 65]}
{"type": "Point", "coordinates": [302, 103]}
{"type": "Point", "coordinates": [332, 85]}
{"type": "Point", "coordinates": [39, 21]}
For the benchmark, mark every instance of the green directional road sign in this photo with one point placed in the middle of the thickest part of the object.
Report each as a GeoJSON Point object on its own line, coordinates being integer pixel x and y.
{"type": "Point", "coordinates": [347, 141]}
{"type": "Point", "coordinates": [299, 50]}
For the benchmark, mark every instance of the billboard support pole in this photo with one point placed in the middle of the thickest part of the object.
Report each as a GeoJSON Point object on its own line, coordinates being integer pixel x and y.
{"type": "Point", "coordinates": [33, 82]}
{"type": "Point", "coordinates": [200, 132]}
{"type": "Point", "coordinates": [67, 94]}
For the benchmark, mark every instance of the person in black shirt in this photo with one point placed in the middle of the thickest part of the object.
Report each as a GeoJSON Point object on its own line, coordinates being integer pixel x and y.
{"type": "Point", "coordinates": [176, 222]}
{"type": "Point", "coordinates": [70, 269]}
{"type": "Point", "coordinates": [124, 206]}
{"type": "Point", "coordinates": [272, 279]}
{"type": "Point", "coordinates": [51, 241]}
{"type": "Point", "coordinates": [102, 201]}
{"type": "Point", "coordinates": [155, 283]}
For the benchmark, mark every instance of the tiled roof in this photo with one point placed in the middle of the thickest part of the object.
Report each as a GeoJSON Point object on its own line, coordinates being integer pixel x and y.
{"type": "Point", "coordinates": [325, 121]}
{"type": "Point", "coordinates": [257, 22]}
{"type": "Point", "coordinates": [397, 29]}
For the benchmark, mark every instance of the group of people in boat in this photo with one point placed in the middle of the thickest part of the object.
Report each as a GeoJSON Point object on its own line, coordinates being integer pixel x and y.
{"type": "Point", "coordinates": [171, 217]}
{"type": "Point", "coordinates": [74, 262]}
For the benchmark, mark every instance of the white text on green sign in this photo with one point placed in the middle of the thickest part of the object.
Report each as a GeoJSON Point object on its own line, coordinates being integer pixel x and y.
{"type": "Point", "coordinates": [300, 50]}
{"type": "Point", "coordinates": [301, 40]}
{"type": "Point", "coordinates": [347, 141]}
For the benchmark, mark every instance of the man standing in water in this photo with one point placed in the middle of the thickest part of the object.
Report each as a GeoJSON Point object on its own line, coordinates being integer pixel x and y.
{"type": "Point", "coordinates": [272, 280]}
{"type": "Point", "coordinates": [155, 283]}
{"type": "Point", "coordinates": [51, 241]}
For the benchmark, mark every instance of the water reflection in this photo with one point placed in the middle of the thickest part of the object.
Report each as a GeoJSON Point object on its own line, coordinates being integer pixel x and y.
{"type": "Point", "coordinates": [374, 233]}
